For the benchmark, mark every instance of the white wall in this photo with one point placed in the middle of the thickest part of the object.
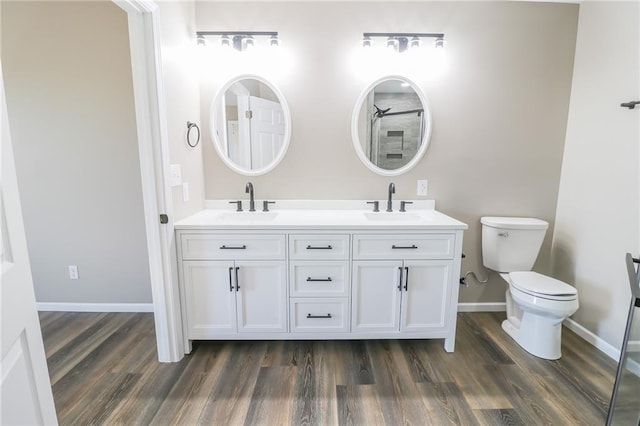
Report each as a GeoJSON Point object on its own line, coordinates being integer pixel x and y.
{"type": "Point", "coordinates": [182, 93]}
{"type": "Point", "coordinates": [67, 73]}
{"type": "Point", "coordinates": [499, 111]}
{"type": "Point", "coordinates": [598, 211]}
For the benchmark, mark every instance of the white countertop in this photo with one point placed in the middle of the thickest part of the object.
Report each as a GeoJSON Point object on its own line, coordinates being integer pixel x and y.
{"type": "Point", "coordinates": [299, 215]}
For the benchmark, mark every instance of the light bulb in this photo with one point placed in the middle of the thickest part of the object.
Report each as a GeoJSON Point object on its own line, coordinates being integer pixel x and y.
{"type": "Point", "coordinates": [247, 43]}
{"type": "Point", "coordinates": [392, 43]}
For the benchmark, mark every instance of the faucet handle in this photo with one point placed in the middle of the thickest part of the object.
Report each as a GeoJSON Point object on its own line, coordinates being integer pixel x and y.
{"type": "Point", "coordinates": [265, 205]}
{"type": "Point", "coordinates": [238, 205]}
{"type": "Point", "coordinates": [376, 205]}
{"type": "Point", "coordinates": [403, 204]}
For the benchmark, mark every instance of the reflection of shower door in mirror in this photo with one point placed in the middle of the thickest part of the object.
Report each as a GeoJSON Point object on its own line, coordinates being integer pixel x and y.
{"type": "Point", "coordinates": [267, 131]}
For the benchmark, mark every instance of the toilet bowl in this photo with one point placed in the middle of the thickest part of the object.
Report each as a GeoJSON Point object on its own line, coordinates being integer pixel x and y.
{"type": "Point", "coordinates": [536, 304]}
{"type": "Point", "coordinates": [536, 307]}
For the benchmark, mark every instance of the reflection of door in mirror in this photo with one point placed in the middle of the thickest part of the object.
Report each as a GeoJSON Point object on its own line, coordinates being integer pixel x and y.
{"type": "Point", "coordinates": [267, 131]}
{"type": "Point", "coordinates": [395, 128]}
{"type": "Point", "coordinates": [254, 125]}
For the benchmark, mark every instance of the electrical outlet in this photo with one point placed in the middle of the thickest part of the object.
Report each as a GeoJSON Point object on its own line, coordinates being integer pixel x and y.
{"type": "Point", "coordinates": [422, 188]}
{"type": "Point", "coordinates": [185, 191]}
{"type": "Point", "coordinates": [73, 272]}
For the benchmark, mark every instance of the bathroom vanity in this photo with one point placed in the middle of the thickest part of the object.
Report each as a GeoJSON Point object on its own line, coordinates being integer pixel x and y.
{"type": "Point", "coordinates": [317, 273]}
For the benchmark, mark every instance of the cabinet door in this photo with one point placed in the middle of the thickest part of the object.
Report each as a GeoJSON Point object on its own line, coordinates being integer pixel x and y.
{"type": "Point", "coordinates": [427, 295]}
{"type": "Point", "coordinates": [375, 296]}
{"type": "Point", "coordinates": [210, 302]}
{"type": "Point", "coordinates": [262, 296]}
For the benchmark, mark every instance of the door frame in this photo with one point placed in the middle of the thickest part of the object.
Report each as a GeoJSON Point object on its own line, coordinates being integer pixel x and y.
{"type": "Point", "coordinates": [153, 146]}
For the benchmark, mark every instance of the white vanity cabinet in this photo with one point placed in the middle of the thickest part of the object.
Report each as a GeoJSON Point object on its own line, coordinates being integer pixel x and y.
{"type": "Point", "coordinates": [313, 274]}
{"type": "Point", "coordinates": [402, 284]}
{"type": "Point", "coordinates": [319, 283]}
{"type": "Point", "coordinates": [233, 283]}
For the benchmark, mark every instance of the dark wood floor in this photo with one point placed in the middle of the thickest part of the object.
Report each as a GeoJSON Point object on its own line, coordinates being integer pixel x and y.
{"type": "Point", "coordinates": [104, 370]}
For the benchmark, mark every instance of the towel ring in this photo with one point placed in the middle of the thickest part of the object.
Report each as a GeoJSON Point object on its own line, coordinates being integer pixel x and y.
{"type": "Point", "coordinates": [190, 126]}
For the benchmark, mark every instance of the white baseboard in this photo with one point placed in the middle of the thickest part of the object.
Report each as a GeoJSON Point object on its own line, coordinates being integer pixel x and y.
{"type": "Point", "coordinates": [606, 348]}
{"type": "Point", "coordinates": [482, 307]}
{"type": "Point", "coordinates": [95, 307]}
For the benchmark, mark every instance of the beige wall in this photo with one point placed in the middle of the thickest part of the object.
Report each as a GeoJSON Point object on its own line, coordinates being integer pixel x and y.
{"type": "Point", "coordinates": [499, 112]}
{"type": "Point", "coordinates": [67, 75]}
{"type": "Point", "coordinates": [598, 211]}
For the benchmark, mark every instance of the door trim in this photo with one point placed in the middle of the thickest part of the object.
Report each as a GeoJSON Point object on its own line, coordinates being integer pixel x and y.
{"type": "Point", "coordinates": [146, 67]}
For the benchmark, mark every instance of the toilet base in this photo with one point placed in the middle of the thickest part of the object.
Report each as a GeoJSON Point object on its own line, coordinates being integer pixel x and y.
{"type": "Point", "coordinates": [540, 336]}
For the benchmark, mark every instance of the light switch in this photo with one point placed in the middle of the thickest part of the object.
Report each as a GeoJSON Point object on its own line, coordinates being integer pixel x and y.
{"type": "Point", "coordinates": [176, 175]}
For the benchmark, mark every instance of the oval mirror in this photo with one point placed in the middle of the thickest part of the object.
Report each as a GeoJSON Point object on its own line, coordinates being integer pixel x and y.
{"type": "Point", "coordinates": [391, 126]}
{"type": "Point", "coordinates": [250, 125]}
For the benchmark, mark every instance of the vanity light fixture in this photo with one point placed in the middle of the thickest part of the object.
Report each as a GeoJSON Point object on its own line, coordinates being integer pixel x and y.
{"type": "Point", "coordinates": [239, 40]}
{"type": "Point", "coordinates": [201, 41]}
{"type": "Point", "coordinates": [400, 42]}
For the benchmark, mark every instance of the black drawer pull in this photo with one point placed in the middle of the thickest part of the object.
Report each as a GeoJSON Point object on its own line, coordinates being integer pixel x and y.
{"type": "Point", "coordinates": [242, 247]}
{"type": "Point", "coordinates": [230, 280]}
{"type": "Point", "coordinates": [309, 279]}
{"type": "Point", "coordinates": [320, 248]}
{"type": "Point", "coordinates": [328, 316]}
{"type": "Point", "coordinates": [412, 246]}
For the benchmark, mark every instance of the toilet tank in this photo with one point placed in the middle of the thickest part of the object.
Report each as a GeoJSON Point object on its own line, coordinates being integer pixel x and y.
{"type": "Point", "coordinates": [511, 243]}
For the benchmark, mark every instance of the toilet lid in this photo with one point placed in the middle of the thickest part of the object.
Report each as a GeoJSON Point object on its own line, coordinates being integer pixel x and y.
{"type": "Point", "coordinates": [535, 283]}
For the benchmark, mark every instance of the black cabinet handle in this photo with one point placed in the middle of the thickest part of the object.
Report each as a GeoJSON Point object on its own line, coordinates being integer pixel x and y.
{"type": "Point", "coordinates": [242, 247]}
{"type": "Point", "coordinates": [230, 279]}
{"type": "Point", "coordinates": [237, 282]}
{"type": "Point", "coordinates": [319, 316]}
{"type": "Point", "coordinates": [309, 279]}
{"type": "Point", "coordinates": [320, 247]}
{"type": "Point", "coordinates": [406, 278]}
{"type": "Point", "coordinates": [413, 246]}
{"type": "Point", "coordinates": [400, 278]}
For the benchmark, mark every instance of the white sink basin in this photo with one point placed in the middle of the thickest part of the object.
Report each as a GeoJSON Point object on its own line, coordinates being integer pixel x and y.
{"type": "Point", "coordinates": [247, 216]}
{"type": "Point", "coordinates": [393, 216]}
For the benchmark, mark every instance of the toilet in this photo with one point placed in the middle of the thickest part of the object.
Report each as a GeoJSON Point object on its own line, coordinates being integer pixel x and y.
{"type": "Point", "coordinates": [536, 304]}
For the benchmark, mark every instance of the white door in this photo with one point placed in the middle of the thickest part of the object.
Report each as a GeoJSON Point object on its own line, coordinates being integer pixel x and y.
{"type": "Point", "coordinates": [425, 298]}
{"type": "Point", "coordinates": [267, 131]}
{"type": "Point", "coordinates": [376, 296]}
{"type": "Point", "coordinates": [26, 389]}
{"type": "Point", "coordinates": [262, 296]}
{"type": "Point", "coordinates": [210, 298]}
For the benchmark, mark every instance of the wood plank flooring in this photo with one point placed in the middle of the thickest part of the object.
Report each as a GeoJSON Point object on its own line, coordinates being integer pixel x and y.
{"type": "Point", "coordinates": [104, 370]}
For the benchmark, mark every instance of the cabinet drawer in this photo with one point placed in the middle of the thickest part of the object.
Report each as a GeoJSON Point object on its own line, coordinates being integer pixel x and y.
{"type": "Point", "coordinates": [232, 246]}
{"type": "Point", "coordinates": [319, 247]}
{"type": "Point", "coordinates": [319, 315]}
{"type": "Point", "coordinates": [324, 278]}
{"type": "Point", "coordinates": [417, 246]}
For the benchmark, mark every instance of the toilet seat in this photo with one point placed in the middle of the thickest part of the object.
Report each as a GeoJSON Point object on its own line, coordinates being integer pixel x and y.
{"type": "Point", "coordinates": [542, 286]}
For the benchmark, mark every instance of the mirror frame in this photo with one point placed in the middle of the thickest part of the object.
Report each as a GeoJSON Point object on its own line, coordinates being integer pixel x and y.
{"type": "Point", "coordinates": [356, 139]}
{"type": "Point", "coordinates": [213, 124]}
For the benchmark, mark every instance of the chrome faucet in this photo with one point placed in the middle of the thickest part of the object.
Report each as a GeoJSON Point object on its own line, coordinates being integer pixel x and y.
{"type": "Point", "coordinates": [249, 190]}
{"type": "Point", "coordinates": [392, 190]}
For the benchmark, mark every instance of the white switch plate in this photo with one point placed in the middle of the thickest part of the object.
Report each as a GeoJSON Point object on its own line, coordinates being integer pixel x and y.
{"type": "Point", "coordinates": [422, 188]}
{"type": "Point", "coordinates": [185, 191]}
{"type": "Point", "coordinates": [73, 272]}
{"type": "Point", "coordinates": [176, 175]}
